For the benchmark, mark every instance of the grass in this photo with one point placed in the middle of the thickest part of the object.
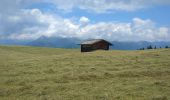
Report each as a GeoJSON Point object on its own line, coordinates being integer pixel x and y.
{"type": "Point", "coordinates": [34, 73]}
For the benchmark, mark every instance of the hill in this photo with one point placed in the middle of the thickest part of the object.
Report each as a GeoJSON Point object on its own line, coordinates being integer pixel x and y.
{"type": "Point", "coordinates": [34, 73]}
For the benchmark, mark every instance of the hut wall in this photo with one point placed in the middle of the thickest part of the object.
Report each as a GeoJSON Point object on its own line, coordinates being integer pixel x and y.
{"type": "Point", "coordinates": [100, 45]}
{"type": "Point", "coordinates": [86, 48]}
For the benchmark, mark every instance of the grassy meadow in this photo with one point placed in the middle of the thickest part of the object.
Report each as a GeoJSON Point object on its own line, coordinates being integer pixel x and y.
{"type": "Point", "coordinates": [34, 73]}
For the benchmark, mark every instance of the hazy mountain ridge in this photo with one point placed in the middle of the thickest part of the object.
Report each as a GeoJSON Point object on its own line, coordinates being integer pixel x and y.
{"type": "Point", "coordinates": [14, 42]}
{"type": "Point", "coordinates": [138, 45]}
{"type": "Point", "coordinates": [56, 42]}
{"type": "Point", "coordinates": [59, 42]}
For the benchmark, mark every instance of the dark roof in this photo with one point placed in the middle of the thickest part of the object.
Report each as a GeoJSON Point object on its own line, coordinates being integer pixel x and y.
{"type": "Point", "coordinates": [93, 41]}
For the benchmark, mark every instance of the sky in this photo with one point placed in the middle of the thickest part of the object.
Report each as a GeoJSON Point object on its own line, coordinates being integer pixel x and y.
{"type": "Point", "coordinates": [114, 20]}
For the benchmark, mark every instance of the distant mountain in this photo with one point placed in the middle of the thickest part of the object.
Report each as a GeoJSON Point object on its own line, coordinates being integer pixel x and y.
{"type": "Point", "coordinates": [137, 45]}
{"type": "Point", "coordinates": [57, 42]}
{"type": "Point", "coordinates": [14, 42]}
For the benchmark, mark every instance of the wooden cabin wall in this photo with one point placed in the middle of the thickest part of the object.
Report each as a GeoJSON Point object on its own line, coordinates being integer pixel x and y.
{"type": "Point", "coordinates": [100, 45]}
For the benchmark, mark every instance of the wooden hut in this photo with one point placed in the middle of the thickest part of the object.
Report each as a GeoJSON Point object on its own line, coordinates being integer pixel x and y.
{"type": "Point", "coordinates": [95, 44]}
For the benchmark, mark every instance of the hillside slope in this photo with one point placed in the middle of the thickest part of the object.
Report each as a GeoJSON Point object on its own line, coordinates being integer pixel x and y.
{"type": "Point", "coordinates": [34, 73]}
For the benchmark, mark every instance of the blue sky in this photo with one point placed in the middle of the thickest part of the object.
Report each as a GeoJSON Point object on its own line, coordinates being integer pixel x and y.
{"type": "Point", "coordinates": [116, 20]}
{"type": "Point", "coordinates": [159, 14]}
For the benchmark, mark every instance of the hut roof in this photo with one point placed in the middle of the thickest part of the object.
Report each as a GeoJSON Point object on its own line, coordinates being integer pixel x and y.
{"type": "Point", "coordinates": [93, 41]}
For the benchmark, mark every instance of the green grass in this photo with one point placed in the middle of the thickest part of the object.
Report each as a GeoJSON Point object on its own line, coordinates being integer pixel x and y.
{"type": "Point", "coordinates": [34, 73]}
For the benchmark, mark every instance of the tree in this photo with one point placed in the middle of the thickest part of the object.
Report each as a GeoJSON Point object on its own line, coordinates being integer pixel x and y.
{"type": "Point", "coordinates": [149, 47]}
{"type": "Point", "coordinates": [166, 47]}
{"type": "Point", "coordinates": [155, 47]}
{"type": "Point", "coordinates": [141, 49]}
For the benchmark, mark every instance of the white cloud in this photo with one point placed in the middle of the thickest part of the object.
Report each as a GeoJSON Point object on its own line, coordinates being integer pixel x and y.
{"type": "Point", "coordinates": [98, 6]}
{"type": "Point", "coordinates": [32, 23]}
{"type": "Point", "coordinates": [142, 23]}
{"type": "Point", "coordinates": [37, 24]}
{"type": "Point", "coordinates": [11, 6]}
{"type": "Point", "coordinates": [84, 21]}
{"type": "Point", "coordinates": [20, 23]}
{"type": "Point", "coordinates": [101, 6]}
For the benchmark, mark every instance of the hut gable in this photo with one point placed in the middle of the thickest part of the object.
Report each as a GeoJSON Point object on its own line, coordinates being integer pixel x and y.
{"type": "Point", "coordinates": [94, 44]}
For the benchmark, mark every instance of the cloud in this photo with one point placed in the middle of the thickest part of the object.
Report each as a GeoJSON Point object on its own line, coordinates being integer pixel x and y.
{"type": "Point", "coordinates": [11, 6]}
{"type": "Point", "coordinates": [101, 6]}
{"type": "Point", "coordinates": [24, 21]}
{"type": "Point", "coordinates": [147, 30]}
{"type": "Point", "coordinates": [96, 6]}
{"type": "Point", "coordinates": [84, 21]}
{"type": "Point", "coordinates": [32, 23]}
{"type": "Point", "coordinates": [19, 22]}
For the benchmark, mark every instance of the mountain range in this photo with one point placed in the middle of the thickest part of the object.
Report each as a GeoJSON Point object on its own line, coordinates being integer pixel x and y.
{"type": "Point", "coordinates": [59, 42]}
